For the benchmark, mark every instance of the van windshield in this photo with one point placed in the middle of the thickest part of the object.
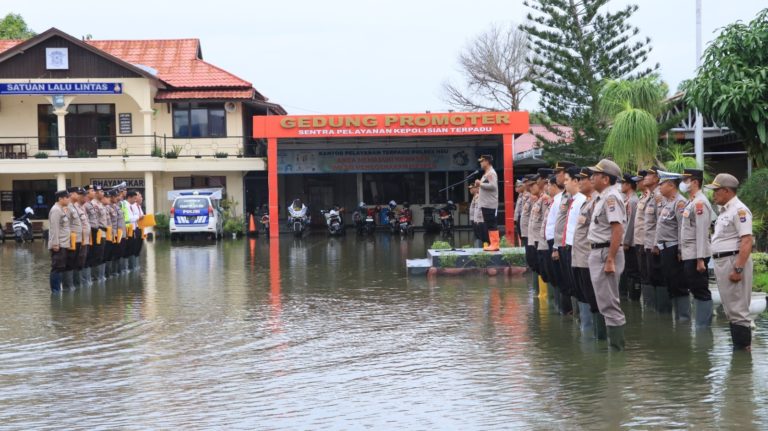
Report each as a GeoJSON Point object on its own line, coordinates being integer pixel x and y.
{"type": "Point", "coordinates": [191, 203]}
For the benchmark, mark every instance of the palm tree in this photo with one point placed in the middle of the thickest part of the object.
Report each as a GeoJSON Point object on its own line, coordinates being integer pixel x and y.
{"type": "Point", "coordinates": [631, 107]}
{"type": "Point", "coordinates": [676, 157]}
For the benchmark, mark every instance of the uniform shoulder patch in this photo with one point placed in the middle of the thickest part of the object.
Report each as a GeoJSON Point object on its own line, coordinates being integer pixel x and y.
{"type": "Point", "coordinates": [680, 206]}
{"type": "Point", "coordinates": [610, 202]}
{"type": "Point", "coordinates": [742, 215]}
{"type": "Point", "coordinates": [699, 207]}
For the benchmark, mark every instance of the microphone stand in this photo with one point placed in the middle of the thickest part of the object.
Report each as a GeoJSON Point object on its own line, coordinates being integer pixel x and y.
{"type": "Point", "coordinates": [469, 177]}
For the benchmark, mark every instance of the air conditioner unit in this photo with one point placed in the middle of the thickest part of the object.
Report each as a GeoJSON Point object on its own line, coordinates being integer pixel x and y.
{"type": "Point", "coordinates": [230, 107]}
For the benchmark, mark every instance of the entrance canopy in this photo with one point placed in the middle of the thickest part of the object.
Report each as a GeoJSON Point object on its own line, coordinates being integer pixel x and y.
{"type": "Point", "coordinates": [355, 127]}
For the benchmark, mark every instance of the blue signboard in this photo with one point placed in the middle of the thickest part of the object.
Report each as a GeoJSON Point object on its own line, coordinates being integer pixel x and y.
{"type": "Point", "coordinates": [51, 88]}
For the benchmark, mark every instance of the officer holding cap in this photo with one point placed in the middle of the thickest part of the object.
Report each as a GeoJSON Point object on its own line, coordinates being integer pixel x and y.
{"type": "Point", "coordinates": [731, 252]}
{"type": "Point", "coordinates": [695, 248]}
{"type": "Point", "coordinates": [606, 257]}
{"type": "Point", "coordinates": [667, 244]}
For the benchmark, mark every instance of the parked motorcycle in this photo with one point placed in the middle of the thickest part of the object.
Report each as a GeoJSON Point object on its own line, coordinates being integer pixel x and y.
{"type": "Point", "coordinates": [333, 221]}
{"type": "Point", "coordinates": [430, 225]}
{"type": "Point", "coordinates": [446, 218]}
{"type": "Point", "coordinates": [405, 220]}
{"type": "Point", "coordinates": [298, 218]}
{"type": "Point", "coordinates": [364, 219]}
{"type": "Point", "coordinates": [22, 227]}
{"type": "Point", "coordinates": [264, 219]}
{"type": "Point", "coordinates": [392, 217]}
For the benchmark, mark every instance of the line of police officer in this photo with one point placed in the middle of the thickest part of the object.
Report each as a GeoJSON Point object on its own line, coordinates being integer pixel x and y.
{"type": "Point", "coordinates": [591, 238]}
{"type": "Point", "coordinates": [93, 235]}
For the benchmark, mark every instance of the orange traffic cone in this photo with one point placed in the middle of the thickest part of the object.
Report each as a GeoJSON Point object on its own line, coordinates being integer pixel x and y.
{"type": "Point", "coordinates": [251, 226]}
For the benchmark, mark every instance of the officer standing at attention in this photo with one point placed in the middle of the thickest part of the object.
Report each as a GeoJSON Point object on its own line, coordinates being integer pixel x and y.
{"type": "Point", "coordinates": [472, 220]}
{"type": "Point", "coordinates": [544, 258]}
{"type": "Point", "coordinates": [489, 200]}
{"type": "Point", "coordinates": [565, 246]}
{"type": "Point", "coordinates": [525, 219]}
{"type": "Point", "coordinates": [101, 236]}
{"type": "Point", "coordinates": [667, 244]}
{"type": "Point", "coordinates": [653, 260]}
{"type": "Point", "coordinates": [82, 268]}
{"type": "Point", "coordinates": [76, 241]}
{"type": "Point", "coordinates": [695, 248]}
{"type": "Point", "coordinates": [58, 238]}
{"type": "Point", "coordinates": [537, 216]}
{"type": "Point", "coordinates": [638, 240]}
{"type": "Point", "coordinates": [92, 211]}
{"type": "Point", "coordinates": [589, 312]}
{"type": "Point", "coordinates": [606, 258]}
{"type": "Point", "coordinates": [630, 279]}
{"type": "Point", "coordinates": [731, 251]}
{"type": "Point", "coordinates": [563, 281]}
{"type": "Point", "coordinates": [520, 190]}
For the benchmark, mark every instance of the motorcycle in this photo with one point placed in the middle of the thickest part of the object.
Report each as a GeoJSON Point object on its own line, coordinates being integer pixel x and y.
{"type": "Point", "coordinates": [22, 227]}
{"type": "Point", "coordinates": [333, 221]}
{"type": "Point", "coordinates": [429, 224]}
{"type": "Point", "coordinates": [446, 218]}
{"type": "Point", "coordinates": [364, 219]}
{"type": "Point", "coordinates": [405, 222]}
{"type": "Point", "coordinates": [264, 220]}
{"type": "Point", "coordinates": [298, 220]}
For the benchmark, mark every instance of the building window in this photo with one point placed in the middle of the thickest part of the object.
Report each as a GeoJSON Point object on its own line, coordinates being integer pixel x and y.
{"type": "Point", "coordinates": [400, 187]}
{"type": "Point", "coordinates": [440, 180]}
{"type": "Point", "coordinates": [199, 120]}
{"type": "Point", "coordinates": [199, 182]}
{"type": "Point", "coordinates": [37, 194]}
{"type": "Point", "coordinates": [47, 128]}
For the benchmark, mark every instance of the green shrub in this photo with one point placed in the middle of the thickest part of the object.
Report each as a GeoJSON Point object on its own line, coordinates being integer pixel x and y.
{"type": "Point", "coordinates": [481, 260]}
{"type": "Point", "coordinates": [174, 153]}
{"type": "Point", "coordinates": [514, 257]}
{"type": "Point", "coordinates": [449, 260]}
{"type": "Point", "coordinates": [41, 155]}
{"type": "Point", "coordinates": [760, 282]}
{"type": "Point", "coordinates": [221, 155]}
{"type": "Point", "coordinates": [162, 224]}
{"type": "Point", "coordinates": [234, 225]}
{"type": "Point", "coordinates": [754, 194]}
{"type": "Point", "coordinates": [440, 245]}
{"type": "Point", "coordinates": [157, 152]}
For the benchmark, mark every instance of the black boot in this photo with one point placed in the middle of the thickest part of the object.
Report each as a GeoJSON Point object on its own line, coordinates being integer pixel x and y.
{"type": "Point", "coordinates": [682, 308]}
{"type": "Point", "coordinates": [742, 337]}
{"type": "Point", "coordinates": [599, 324]}
{"type": "Point", "coordinates": [616, 337]}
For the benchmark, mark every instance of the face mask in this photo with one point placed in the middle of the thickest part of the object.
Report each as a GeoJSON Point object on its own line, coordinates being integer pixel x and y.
{"type": "Point", "coordinates": [684, 187]}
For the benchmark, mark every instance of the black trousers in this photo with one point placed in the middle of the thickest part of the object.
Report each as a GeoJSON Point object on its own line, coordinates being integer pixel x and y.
{"type": "Point", "coordinates": [59, 260]}
{"type": "Point", "coordinates": [642, 264]}
{"type": "Point", "coordinates": [489, 218]}
{"type": "Point", "coordinates": [556, 275]}
{"type": "Point", "coordinates": [654, 268]}
{"type": "Point", "coordinates": [72, 257]}
{"type": "Point", "coordinates": [632, 266]}
{"type": "Point", "coordinates": [544, 267]}
{"type": "Point", "coordinates": [672, 268]}
{"type": "Point", "coordinates": [584, 281]}
{"type": "Point", "coordinates": [482, 231]}
{"type": "Point", "coordinates": [698, 282]}
{"type": "Point", "coordinates": [569, 282]}
{"type": "Point", "coordinates": [107, 255]}
{"type": "Point", "coordinates": [82, 256]}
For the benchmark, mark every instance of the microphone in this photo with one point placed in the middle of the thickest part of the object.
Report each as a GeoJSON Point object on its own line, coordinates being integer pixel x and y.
{"type": "Point", "coordinates": [477, 171]}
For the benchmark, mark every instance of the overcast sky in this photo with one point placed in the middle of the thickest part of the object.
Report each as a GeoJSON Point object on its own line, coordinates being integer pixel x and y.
{"type": "Point", "coordinates": [357, 56]}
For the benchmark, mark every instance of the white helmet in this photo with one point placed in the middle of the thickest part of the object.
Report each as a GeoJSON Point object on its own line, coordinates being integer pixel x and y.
{"type": "Point", "coordinates": [361, 204]}
{"type": "Point", "coordinates": [392, 203]}
{"type": "Point", "coordinates": [450, 202]}
{"type": "Point", "coordinates": [29, 211]}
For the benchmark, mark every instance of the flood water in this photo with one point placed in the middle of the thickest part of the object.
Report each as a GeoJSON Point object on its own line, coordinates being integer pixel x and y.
{"type": "Point", "coordinates": [332, 334]}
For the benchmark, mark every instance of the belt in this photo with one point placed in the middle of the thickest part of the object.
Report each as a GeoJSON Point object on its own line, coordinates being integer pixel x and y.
{"type": "Point", "coordinates": [666, 244]}
{"type": "Point", "coordinates": [601, 245]}
{"type": "Point", "coordinates": [724, 254]}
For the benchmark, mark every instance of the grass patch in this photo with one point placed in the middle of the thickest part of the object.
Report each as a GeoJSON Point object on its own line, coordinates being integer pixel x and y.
{"type": "Point", "coordinates": [514, 257]}
{"type": "Point", "coordinates": [481, 260]}
{"type": "Point", "coordinates": [440, 245]}
{"type": "Point", "coordinates": [449, 260]}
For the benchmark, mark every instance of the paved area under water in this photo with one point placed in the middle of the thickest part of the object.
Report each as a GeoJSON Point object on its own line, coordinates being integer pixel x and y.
{"type": "Point", "coordinates": [331, 334]}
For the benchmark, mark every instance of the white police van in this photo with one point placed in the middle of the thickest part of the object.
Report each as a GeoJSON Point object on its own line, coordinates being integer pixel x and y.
{"type": "Point", "coordinates": [196, 212]}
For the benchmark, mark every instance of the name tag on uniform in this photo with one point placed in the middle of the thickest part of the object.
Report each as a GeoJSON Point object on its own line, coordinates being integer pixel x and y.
{"type": "Point", "coordinates": [686, 213]}
{"type": "Point", "coordinates": [582, 219]}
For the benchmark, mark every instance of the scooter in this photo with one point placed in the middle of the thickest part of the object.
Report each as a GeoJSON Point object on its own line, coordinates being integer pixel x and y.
{"type": "Point", "coordinates": [364, 219]}
{"type": "Point", "coordinates": [22, 228]}
{"type": "Point", "coordinates": [333, 221]}
{"type": "Point", "coordinates": [298, 220]}
{"type": "Point", "coordinates": [405, 222]}
{"type": "Point", "coordinates": [446, 218]}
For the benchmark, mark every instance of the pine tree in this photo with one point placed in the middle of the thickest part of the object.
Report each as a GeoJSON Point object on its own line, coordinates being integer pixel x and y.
{"type": "Point", "coordinates": [577, 45]}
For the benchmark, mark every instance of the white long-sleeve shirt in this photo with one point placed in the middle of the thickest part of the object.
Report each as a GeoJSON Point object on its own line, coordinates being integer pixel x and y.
{"type": "Point", "coordinates": [549, 231]}
{"type": "Point", "coordinates": [573, 217]}
{"type": "Point", "coordinates": [134, 213]}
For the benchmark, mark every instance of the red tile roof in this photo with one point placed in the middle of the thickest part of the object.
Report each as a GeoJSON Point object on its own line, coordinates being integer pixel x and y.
{"type": "Point", "coordinates": [203, 94]}
{"type": "Point", "coordinates": [529, 140]}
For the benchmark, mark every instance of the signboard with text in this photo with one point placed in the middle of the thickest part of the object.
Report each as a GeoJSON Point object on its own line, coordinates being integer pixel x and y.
{"type": "Point", "coordinates": [57, 88]}
{"type": "Point", "coordinates": [374, 160]}
{"type": "Point", "coordinates": [107, 183]}
{"type": "Point", "coordinates": [125, 121]}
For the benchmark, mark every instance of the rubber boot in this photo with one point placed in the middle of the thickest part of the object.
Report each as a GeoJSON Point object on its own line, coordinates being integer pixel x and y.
{"type": "Point", "coordinates": [634, 290]}
{"type": "Point", "coordinates": [703, 313]}
{"type": "Point", "coordinates": [663, 302]}
{"type": "Point", "coordinates": [126, 268]}
{"type": "Point", "coordinates": [76, 278]}
{"type": "Point", "coordinates": [55, 281]}
{"type": "Point", "coordinates": [682, 308]}
{"type": "Point", "coordinates": [585, 319]}
{"type": "Point", "coordinates": [102, 272]}
{"type": "Point", "coordinates": [493, 235]}
{"type": "Point", "coordinates": [598, 321]}
{"type": "Point", "coordinates": [85, 277]}
{"type": "Point", "coordinates": [67, 280]}
{"type": "Point", "coordinates": [135, 263]}
{"type": "Point", "coordinates": [742, 337]}
{"type": "Point", "coordinates": [556, 297]}
{"type": "Point", "coordinates": [649, 295]}
{"type": "Point", "coordinates": [616, 338]}
{"type": "Point", "coordinates": [575, 307]}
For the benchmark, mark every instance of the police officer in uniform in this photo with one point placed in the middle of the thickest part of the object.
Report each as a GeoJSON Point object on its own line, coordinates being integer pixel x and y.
{"type": "Point", "coordinates": [667, 244]}
{"type": "Point", "coordinates": [489, 200]}
{"type": "Point", "coordinates": [83, 275]}
{"type": "Point", "coordinates": [525, 218]}
{"type": "Point", "coordinates": [589, 313]}
{"type": "Point", "coordinates": [58, 238]}
{"type": "Point", "coordinates": [606, 258]}
{"type": "Point", "coordinates": [695, 248]}
{"type": "Point", "coordinates": [76, 241]}
{"type": "Point", "coordinates": [653, 260]}
{"type": "Point", "coordinates": [638, 241]}
{"type": "Point", "coordinates": [731, 252]}
{"type": "Point", "coordinates": [563, 280]}
{"type": "Point", "coordinates": [630, 278]}
{"type": "Point", "coordinates": [520, 190]}
{"type": "Point", "coordinates": [92, 211]}
{"type": "Point", "coordinates": [542, 248]}
{"type": "Point", "coordinates": [540, 199]}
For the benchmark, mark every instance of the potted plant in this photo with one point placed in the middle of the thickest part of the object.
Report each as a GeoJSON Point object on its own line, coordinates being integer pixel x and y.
{"type": "Point", "coordinates": [221, 155]}
{"type": "Point", "coordinates": [157, 152]}
{"type": "Point", "coordinates": [174, 153]}
{"type": "Point", "coordinates": [234, 226]}
{"type": "Point", "coordinates": [41, 155]}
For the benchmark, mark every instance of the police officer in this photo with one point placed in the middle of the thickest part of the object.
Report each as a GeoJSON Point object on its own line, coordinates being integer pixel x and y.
{"type": "Point", "coordinates": [653, 260]}
{"type": "Point", "coordinates": [472, 219]}
{"type": "Point", "coordinates": [520, 190]}
{"type": "Point", "coordinates": [630, 278]}
{"type": "Point", "coordinates": [489, 200]}
{"type": "Point", "coordinates": [565, 246]}
{"type": "Point", "coordinates": [540, 199]}
{"type": "Point", "coordinates": [563, 281]}
{"type": "Point", "coordinates": [667, 244]}
{"type": "Point", "coordinates": [638, 241]}
{"type": "Point", "coordinates": [83, 271]}
{"type": "Point", "coordinates": [589, 313]}
{"type": "Point", "coordinates": [549, 233]}
{"type": "Point", "coordinates": [544, 257]}
{"type": "Point", "coordinates": [92, 211]}
{"type": "Point", "coordinates": [71, 277]}
{"type": "Point", "coordinates": [114, 218]}
{"type": "Point", "coordinates": [606, 258]}
{"type": "Point", "coordinates": [58, 238]}
{"type": "Point", "coordinates": [695, 248]}
{"type": "Point", "coordinates": [731, 252]}
{"type": "Point", "coordinates": [109, 234]}
{"type": "Point", "coordinates": [525, 218]}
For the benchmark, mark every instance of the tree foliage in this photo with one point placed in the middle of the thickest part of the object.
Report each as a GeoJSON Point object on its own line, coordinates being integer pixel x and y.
{"type": "Point", "coordinates": [13, 26]}
{"type": "Point", "coordinates": [731, 86]}
{"type": "Point", "coordinates": [577, 45]}
{"type": "Point", "coordinates": [676, 157]}
{"type": "Point", "coordinates": [496, 72]}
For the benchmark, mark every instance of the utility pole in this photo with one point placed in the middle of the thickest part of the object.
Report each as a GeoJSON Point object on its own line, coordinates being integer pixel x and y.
{"type": "Point", "coordinates": [698, 134]}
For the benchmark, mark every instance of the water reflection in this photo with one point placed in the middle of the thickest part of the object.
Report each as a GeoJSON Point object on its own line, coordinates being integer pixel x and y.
{"type": "Point", "coordinates": [329, 333]}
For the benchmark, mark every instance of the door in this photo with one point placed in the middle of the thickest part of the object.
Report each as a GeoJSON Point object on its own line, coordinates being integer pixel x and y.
{"type": "Point", "coordinates": [82, 129]}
